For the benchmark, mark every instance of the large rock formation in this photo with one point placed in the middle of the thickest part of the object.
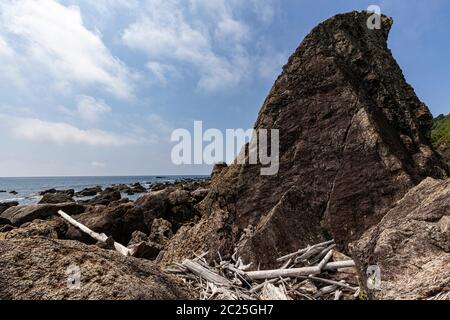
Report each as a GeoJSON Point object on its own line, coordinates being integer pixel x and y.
{"type": "Point", "coordinates": [411, 246]}
{"type": "Point", "coordinates": [354, 138]}
{"type": "Point", "coordinates": [45, 269]}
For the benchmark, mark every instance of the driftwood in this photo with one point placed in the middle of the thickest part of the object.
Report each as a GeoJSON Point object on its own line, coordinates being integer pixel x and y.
{"type": "Point", "coordinates": [101, 237]}
{"type": "Point", "coordinates": [296, 272]}
{"type": "Point", "coordinates": [295, 279]}
{"type": "Point", "coordinates": [206, 274]}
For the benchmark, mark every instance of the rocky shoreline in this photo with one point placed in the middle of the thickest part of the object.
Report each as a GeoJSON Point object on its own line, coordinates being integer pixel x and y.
{"type": "Point", "coordinates": [358, 175]}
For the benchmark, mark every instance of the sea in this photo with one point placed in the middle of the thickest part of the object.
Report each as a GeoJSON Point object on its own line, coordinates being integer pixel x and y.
{"type": "Point", "coordinates": [28, 189]}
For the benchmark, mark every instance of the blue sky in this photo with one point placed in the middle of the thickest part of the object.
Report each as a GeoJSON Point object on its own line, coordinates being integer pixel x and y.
{"type": "Point", "coordinates": [96, 87]}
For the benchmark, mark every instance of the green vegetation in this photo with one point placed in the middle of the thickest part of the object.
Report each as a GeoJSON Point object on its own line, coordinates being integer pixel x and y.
{"type": "Point", "coordinates": [441, 135]}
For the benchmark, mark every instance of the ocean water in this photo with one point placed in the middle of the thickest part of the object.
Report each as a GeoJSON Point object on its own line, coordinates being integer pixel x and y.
{"type": "Point", "coordinates": [28, 188]}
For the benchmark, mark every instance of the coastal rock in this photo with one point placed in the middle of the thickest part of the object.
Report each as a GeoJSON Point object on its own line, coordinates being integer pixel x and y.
{"type": "Point", "coordinates": [4, 221]}
{"type": "Point", "coordinates": [89, 192]}
{"type": "Point", "coordinates": [19, 215]}
{"type": "Point", "coordinates": [354, 138]}
{"type": "Point", "coordinates": [118, 220]}
{"type": "Point", "coordinates": [45, 269]}
{"type": "Point", "coordinates": [55, 198]}
{"type": "Point", "coordinates": [218, 169]}
{"type": "Point", "coordinates": [161, 231]}
{"type": "Point", "coordinates": [105, 197]}
{"type": "Point", "coordinates": [411, 246]}
{"type": "Point", "coordinates": [138, 237]}
{"type": "Point", "coordinates": [51, 229]}
{"type": "Point", "coordinates": [69, 192]}
{"type": "Point", "coordinates": [7, 205]}
{"type": "Point", "coordinates": [13, 192]}
{"type": "Point", "coordinates": [200, 194]}
{"type": "Point", "coordinates": [172, 204]}
{"type": "Point", "coordinates": [146, 250]}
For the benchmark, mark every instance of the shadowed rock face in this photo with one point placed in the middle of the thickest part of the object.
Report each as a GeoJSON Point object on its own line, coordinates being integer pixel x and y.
{"type": "Point", "coordinates": [354, 138]}
{"type": "Point", "coordinates": [411, 245]}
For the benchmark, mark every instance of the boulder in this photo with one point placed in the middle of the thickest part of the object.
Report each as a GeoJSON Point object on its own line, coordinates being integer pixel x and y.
{"type": "Point", "coordinates": [14, 192]}
{"type": "Point", "coordinates": [69, 192]}
{"type": "Point", "coordinates": [7, 205]}
{"type": "Point", "coordinates": [89, 192]}
{"type": "Point", "coordinates": [138, 237]}
{"type": "Point", "coordinates": [46, 269]}
{"type": "Point", "coordinates": [411, 246]}
{"type": "Point", "coordinates": [161, 231]}
{"type": "Point", "coordinates": [19, 215]}
{"type": "Point", "coordinates": [4, 221]}
{"type": "Point", "coordinates": [55, 198]}
{"type": "Point", "coordinates": [52, 229]}
{"type": "Point", "coordinates": [105, 197]}
{"type": "Point", "coordinates": [119, 220]}
{"type": "Point", "coordinates": [200, 194]}
{"type": "Point", "coordinates": [353, 137]}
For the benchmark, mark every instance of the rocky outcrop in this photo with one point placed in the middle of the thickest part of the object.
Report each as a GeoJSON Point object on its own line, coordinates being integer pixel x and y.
{"type": "Point", "coordinates": [54, 198]}
{"type": "Point", "coordinates": [354, 138]}
{"type": "Point", "coordinates": [22, 214]}
{"type": "Point", "coordinates": [105, 197]}
{"type": "Point", "coordinates": [118, 220]}
{"type": "Point", "coordinates": [89, 192]}
{"type": "Point", "coordinates": [6, 205]}
{"type": "Point", "coordinates": [53, 228]}
{"type": "Point", "coordinates": [69, 192]}
{"type": "Point", "coordinates": [411, 246]}
{"type": "Point", "coordinates": [45, 269]}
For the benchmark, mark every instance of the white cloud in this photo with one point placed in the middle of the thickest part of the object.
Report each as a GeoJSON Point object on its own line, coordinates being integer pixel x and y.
{"type": "Point", "coordinates": [97, 164]}
{"type": "Point", "coordinates": [164, 32]}
{"type": "Point", "coordinates": [60, 133]}
{"type": "Point", "coordinates": [91, 109]}
{"type": "Point", "coordinates": [161, 71]}
{"type": "Point", "coordinates": [55, 37]}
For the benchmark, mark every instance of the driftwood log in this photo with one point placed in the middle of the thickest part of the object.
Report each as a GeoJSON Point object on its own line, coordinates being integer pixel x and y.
{"type": "Point", "coordinates": [101, 237]}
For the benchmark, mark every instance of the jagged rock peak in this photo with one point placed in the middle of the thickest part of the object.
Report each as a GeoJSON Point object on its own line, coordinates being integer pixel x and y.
{"type": "Point", "coordinates": [354, 138]}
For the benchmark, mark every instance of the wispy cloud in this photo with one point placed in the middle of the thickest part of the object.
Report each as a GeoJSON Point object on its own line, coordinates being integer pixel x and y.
{"type": "Point", "coordinates": [55, 37]}
{"type": "Point", "coordinates": [91, 109]}
{"type": "Point", "coordinates": [208, 36]}
{"type": "Point", "coordinates": [60, 133]}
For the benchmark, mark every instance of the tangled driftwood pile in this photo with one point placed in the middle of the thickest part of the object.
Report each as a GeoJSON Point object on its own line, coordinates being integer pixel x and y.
{"type": "Point", "coordinates": [309, 273]}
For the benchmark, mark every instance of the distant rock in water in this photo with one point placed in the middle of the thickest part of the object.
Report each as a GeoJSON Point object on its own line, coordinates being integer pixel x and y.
{"type": "Point", "coordinates": [354, 138]}
{"type": "Point", "coordinates": [56, 198]}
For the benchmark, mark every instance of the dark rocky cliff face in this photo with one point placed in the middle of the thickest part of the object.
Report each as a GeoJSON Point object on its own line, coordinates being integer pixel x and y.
{"type": "Point", "coordinates": [354, 138]}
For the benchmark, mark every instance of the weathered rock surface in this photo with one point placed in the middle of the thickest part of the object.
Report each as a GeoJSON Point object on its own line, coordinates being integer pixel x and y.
{"type": "Point", "coordinates": [54, 198]}
{"type": "Point", "coordinates": [39, 269]}
{"type": "Point", "coordinates": [411, 245]}
{"type": "Point", "coordinates": [54, 228]}
{"type": "Point", "coordinates": [118, 220]}
{"type": "Point", "coordinates": [22, 214]}
{"type": "Point", "coordinates": [89, 192]}
{"type": "Point", "coordinates": [69, 192]}
{"type": "Point", "coordinates": [6, 205]}
{"type": "Point", "coordinates": [354, 138]}
{"type": "Point", "coordinates": [105, 197]}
